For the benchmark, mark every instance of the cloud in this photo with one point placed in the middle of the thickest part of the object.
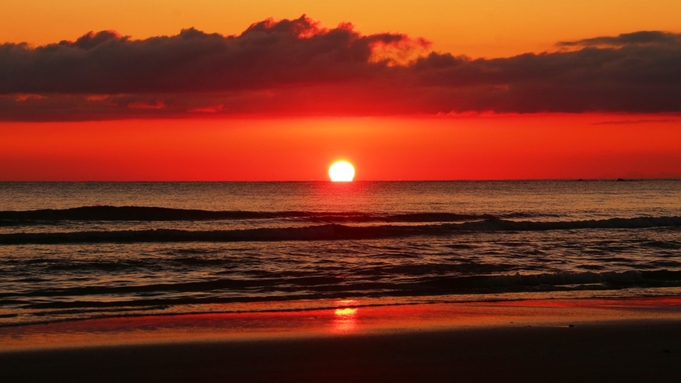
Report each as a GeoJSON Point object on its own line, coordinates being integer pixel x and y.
{"type": "Point", "coordinates": [298, 67]}
{"type": "Point", "coordinates": [632, 78]}
{"type": "Point", "coordinates": [636, 38]}
{"type": "Point", "coordinates": [267, 54]}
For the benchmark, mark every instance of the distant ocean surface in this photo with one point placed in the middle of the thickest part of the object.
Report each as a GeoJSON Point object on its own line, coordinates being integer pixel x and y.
{"type": "Point", "coordinates": [84, 250]}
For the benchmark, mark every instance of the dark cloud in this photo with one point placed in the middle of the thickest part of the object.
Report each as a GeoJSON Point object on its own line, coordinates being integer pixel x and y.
{"type": "Point", "coordinates": [268, 54]}
{"type": "Point", "coordinates": [297, 67]}
{"type": "Point", "coordinates": [635, 38]}
{"type": "Point", "coordinates": [632, 78]}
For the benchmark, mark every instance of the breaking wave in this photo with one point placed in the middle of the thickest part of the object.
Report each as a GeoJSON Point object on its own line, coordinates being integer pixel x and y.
{"type": "Point", "coordinates": [152, 214]}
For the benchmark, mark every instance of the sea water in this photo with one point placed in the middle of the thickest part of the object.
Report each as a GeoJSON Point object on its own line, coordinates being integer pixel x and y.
{"type": "Point", "coordinates": [84, 250]}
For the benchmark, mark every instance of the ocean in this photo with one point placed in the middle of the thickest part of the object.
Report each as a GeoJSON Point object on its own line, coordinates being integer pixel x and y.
{"type": "Point", "coordinates": [90, 250]}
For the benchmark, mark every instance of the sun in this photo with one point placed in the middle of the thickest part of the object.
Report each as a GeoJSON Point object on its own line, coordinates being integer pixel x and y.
{"type": "Point", "coordinates": [341, 171]}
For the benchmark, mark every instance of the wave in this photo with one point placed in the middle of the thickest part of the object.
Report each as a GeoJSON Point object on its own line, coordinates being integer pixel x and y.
{"type": "Point", "coordinates": [328, 288]}
{"type": "Point", "coordinates": [330, 231]}
{"type": "Point", "coordinates": [151, 214]}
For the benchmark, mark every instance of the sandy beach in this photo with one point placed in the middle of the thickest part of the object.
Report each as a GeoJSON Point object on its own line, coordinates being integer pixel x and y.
{"type": "Point", "coordinates": [622, 340]}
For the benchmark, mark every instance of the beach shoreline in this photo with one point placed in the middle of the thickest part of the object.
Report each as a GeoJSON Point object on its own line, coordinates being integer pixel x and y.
{"type": "Point", "coordinates": [630, 339]}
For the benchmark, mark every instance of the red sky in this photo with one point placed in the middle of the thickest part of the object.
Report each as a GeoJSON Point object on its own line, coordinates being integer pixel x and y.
{"type": "Point", "coordinates": [532, 146]}
{"type": "Point", "coordinates": [283, 99]}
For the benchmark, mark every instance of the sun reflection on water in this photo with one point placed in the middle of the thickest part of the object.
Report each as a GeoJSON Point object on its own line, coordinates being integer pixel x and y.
{"type": "Point", "coordinates": [345, 318]}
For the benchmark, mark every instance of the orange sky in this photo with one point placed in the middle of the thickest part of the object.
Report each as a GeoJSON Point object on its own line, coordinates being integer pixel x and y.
{"type": "Point", "coordinates": [473, 27]}
{"type": "Point", "coordinates": [605, 104]}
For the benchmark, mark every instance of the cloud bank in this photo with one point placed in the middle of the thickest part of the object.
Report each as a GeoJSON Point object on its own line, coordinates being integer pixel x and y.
{"type": "Point", "coordinates": [298, 68]}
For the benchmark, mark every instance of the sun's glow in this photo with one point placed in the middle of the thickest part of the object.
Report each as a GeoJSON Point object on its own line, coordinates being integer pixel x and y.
{"type": "Point", "coordinates": [341, 171]}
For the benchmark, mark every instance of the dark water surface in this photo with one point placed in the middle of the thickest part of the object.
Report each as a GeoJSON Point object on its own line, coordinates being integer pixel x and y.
{"type": "Point", "coordinates": [79, 250]}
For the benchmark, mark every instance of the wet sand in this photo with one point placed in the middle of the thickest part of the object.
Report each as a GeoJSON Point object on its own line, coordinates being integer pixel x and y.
{"type": "Point", "coordinates": [629, 340]}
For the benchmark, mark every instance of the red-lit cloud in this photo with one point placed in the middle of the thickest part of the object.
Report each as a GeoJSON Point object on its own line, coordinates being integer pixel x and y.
{"type": "Point", "coordinates": [296, 67]}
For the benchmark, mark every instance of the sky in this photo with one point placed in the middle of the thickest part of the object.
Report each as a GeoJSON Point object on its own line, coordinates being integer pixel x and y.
{"type": "Point", "coordinates": [405, 90]}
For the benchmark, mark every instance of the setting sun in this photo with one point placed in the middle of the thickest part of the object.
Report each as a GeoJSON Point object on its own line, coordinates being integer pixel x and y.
{"type": "Point", "coordinates": [341, 171]}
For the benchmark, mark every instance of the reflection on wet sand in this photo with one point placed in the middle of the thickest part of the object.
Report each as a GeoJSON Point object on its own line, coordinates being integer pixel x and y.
{"type": "Point", "coordinates": [345, 320]}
